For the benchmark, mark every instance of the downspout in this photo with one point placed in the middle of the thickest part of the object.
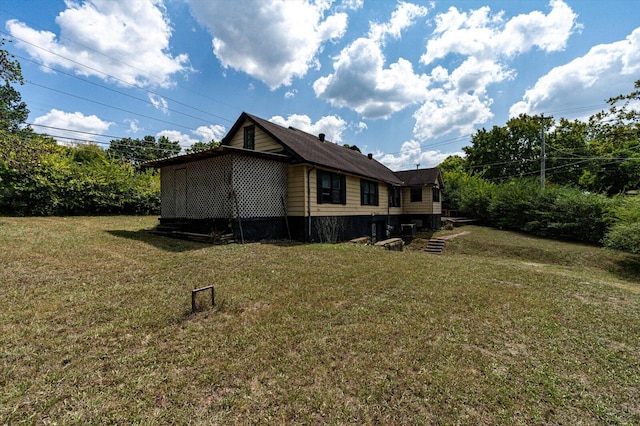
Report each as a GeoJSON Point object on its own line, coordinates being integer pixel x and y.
{"type": "Point", "coordinates": [313, 166]}
{"type": "Point", "coordinates": [386, 226]}
{"type": "Point", "coordinates": [433, 219]}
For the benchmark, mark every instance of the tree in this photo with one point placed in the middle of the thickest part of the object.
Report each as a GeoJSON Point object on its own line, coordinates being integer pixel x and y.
{"type": "Point", "coordinates": [509, 151]}
{"type": "Point", "coordinates": [202, 146]}
{"type": "Point", "coordinates": [13, 111]}
{"type": "Point", "coordinates": [567, 152]}
{"type": "Point", "coordinates": [452, 163]}
{"type": "Point", "coordinates": [352, 147]}
{"type": "Point", "coordinates": [138, 151]}
{"type": "Point", "coordinates": [614, 144]}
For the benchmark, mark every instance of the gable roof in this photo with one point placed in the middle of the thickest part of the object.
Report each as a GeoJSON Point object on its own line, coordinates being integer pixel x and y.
{"type": "Point", "coordinates": [419, 177]}
{"type": "Point", "coordinates": [307, 148]}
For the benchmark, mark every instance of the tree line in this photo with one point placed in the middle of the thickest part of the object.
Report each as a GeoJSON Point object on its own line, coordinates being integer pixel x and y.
{"type": "Point", "coordinates": [39, 176]}
{"type": "Point", "coordinates": [592, 176]}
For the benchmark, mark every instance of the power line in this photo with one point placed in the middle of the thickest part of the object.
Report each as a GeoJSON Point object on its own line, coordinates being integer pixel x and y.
{"type": "Point", "coordinates": [77, 142]}
{"type": "Point", "coordinates": [61, 37]}
{"type": "Point", "coordinates": [124, 82]}
{"type": "Point", "coordinates": [73, 131]}
{"type": "Point", "coordinates": [145, 101]}
{"type": "Point", "coordinates": [107, 105]}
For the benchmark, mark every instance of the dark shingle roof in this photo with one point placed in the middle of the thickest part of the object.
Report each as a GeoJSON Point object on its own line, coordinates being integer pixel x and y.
{"type": "Point", "coordinates": [308, 148]}
{"type": "Point", "coordinates": [420, 177]}
{"type": "Point", "coordinates": [299, 145]}
{"type": "Point", "coordinates": [209, 153]}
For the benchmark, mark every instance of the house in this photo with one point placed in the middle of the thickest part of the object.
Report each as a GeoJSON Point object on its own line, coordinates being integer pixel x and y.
{"type": "Point", "coordinates": [266, 181]}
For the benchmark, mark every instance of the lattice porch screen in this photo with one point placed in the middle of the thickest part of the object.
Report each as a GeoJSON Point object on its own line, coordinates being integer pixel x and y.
{"type": "Point", "coordinates": [258, 185]}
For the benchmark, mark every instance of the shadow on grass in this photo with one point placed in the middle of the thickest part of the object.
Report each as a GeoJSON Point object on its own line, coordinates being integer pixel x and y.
{"type": "Point", "coordinates": [628, 268]}
{"type": "Point", "coordinates": [163, 243]}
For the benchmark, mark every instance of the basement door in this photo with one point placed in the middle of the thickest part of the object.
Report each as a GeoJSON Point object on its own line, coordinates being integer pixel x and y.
{"type": "Point", "coordinates": [180, 193]}
{"type": "Point", "coordinates": [377, 231]}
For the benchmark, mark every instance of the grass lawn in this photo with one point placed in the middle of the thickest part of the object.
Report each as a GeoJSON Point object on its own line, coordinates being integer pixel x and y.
{"type": "Point", "coordinates": [96, 327]}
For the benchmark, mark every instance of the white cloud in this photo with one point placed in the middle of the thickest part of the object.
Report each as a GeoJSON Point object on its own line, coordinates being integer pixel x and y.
{"type": "Point", "coordinates": [486, 36]}
{"type": "Point", "coordinates": [352, 4]}
{"type": "Point", "coordinates": [453, 99]}
{"type": "Point", "coordinates": [585, 81]}
{"type": "Point", "coordinates": [159, 103]}
{"type": "Point", "coordinates": [411, 155]}
{"type": "Point", "coordinates": [133, 126]}
{"type": "Point", "coordinates": [360, 80]}
{"type": "Point", "coordinates": [61, 125]}
{"type": "Point", "coordinates": [207, 133]}
{"type": "Point", "coordinates": [446, 111]}
{"type": "Point", "coordinates": [290, 94]}
{"type": "Point", "coordinates": [174, 135]}
{"type": "Point", "coordinates": [401, 18]}
{"type": "Point", "coordinates": [457, 98]}
{"type": "Point", "coordinates": [548, 33]}
{"type": "Point", "coordinates": [202, 134]}
{"type": "Point", "coordinates": [359, 127]}
{"type": "Point", "coordinates": [332, 125]}
{"type": "Point", "coordinates": [116, 40]}
{"type": "Point", "coordinates": [290, 35]}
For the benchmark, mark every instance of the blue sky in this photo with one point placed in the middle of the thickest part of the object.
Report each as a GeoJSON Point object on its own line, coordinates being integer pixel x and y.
{"type": "Point", "coordinates": [409, 82]}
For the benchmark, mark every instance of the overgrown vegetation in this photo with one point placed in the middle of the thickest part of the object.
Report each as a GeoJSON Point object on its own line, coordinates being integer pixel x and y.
{"type": "Point", "coordinates": [502, 328]}
{"type": "Point", "coordinates": [558, 212]}
{"type": "Point", "coordinates": [592, 172]}
{"type": "Point", "coordinates": [330, 228]}
{"type": "Point", "coordinates": [41, 178]}
{"type": "Point", "coordinates": [624, 234]}
{"type": "Point", "coordinates": [138, 151]}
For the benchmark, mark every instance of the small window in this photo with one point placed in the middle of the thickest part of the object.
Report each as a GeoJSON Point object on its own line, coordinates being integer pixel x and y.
{"type": "Point", "coordinates": [368, 193]}
{"type": "Point", "coordinates": [394, 196]}
{"type": "Point", "coordinates": [250, 137]}
{"type": "Point", "coordinates": [436, 195]}
{"type": "Point", "coordinates": [416, 195]}
{"type": "Point", "coordinates": [331, 188]}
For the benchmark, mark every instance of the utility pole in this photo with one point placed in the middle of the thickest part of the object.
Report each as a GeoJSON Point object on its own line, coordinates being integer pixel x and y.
{"type": "Point", "coordinates": [543, 156]}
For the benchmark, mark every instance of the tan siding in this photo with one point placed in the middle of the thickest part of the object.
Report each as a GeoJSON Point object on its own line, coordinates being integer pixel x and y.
{"type": "Point", "coordinates": [264, 143]}
{"type": "Point", "coordinates": [353, 207]}
{"type": "Point", "coordinates": [424, 207]}
{"type": "Point", "coordinates": [297, 190]}
{"type": "Point", "coordinates": [437, 207]}
{"type": "Point", "coordinates": [394, 211]}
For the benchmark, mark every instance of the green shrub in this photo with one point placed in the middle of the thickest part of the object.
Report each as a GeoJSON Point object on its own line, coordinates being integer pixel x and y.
{"type": "Point", "coordinates": [557, 212]}
{"type": "Point", "coordinates": [624, 233]}
{"type": "Point", "coordinates": [40, 178]}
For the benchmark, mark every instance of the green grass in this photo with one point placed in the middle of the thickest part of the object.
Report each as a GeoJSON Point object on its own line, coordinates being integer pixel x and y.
{"type": "Point", "coordinates": [95, 327]}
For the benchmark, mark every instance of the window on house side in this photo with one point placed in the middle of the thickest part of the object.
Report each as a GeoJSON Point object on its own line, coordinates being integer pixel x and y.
{"type": "Point", "coordinates": [416, 195]}
{"type": "Point", "coordinates": [394, 196]}
{"type": "Point", "coordinates": [250, 137]}
{"type": "Point", "coordinates": [436, 195]}
{"type": "Point", "coordinates": [331, 188]}
{"type": "Point", "coordinates": [368, 193]}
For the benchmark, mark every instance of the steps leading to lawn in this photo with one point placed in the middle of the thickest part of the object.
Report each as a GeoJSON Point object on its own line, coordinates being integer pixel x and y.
{"type": "Point", "coordinates": [435, 245]}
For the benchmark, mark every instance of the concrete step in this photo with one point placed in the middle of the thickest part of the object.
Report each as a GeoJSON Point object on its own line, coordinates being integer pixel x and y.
{"type": "Point", "coordinates": [435, 245]}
